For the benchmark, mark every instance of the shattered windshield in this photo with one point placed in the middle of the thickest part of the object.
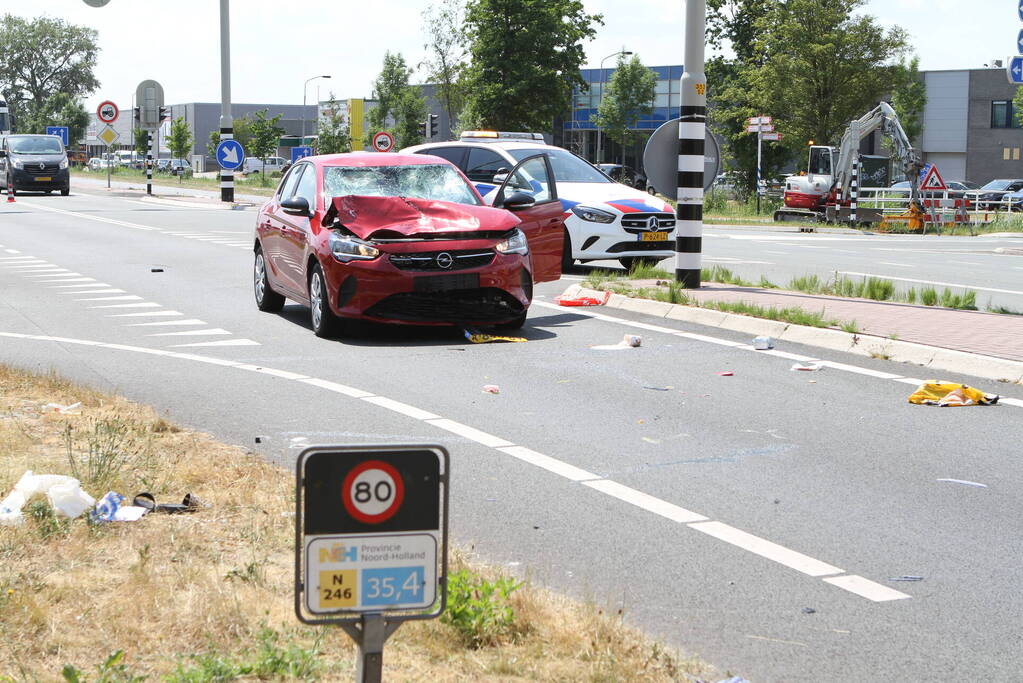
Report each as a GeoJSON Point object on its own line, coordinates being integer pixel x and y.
{"type": "Point", "coordinates": [421, 181]}
{"type": "Point", "coordinates": [568, 168]}
{"type": "Point", "coordinates": [44, 144]}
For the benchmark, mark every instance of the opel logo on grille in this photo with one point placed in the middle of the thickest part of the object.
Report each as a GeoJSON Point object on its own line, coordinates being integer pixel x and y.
{"type": "Point", "coordinates": [651, 223]}
{"type": "Point", "coordinates": [444, 260]}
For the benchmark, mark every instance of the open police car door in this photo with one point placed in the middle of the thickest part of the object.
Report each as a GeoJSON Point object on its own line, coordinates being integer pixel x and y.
{"type": "Point", "coordinates": [530, 192]}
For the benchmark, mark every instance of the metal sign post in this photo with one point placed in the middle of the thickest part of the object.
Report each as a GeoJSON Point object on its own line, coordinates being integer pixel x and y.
{"type": "Point", "coordinates": [691, 132]}
{"type": "Point", "coordinates": [371, 541]}
{"type": "Point", "coordinates": [226, 122]}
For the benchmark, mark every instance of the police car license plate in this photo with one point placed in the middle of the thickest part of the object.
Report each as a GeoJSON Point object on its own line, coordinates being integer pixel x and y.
{"type": "Point", "coordinates": [653, 236]}
{"type": "Point", "coordinates": [43, 179]}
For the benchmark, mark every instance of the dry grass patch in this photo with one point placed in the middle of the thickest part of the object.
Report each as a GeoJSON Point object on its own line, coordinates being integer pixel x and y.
{"type": "Point", "coordinates": [208, 596]}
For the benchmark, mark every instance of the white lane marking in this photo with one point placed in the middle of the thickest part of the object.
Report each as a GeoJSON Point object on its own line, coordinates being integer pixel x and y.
{"type": "Point", "coordinates": [191, 321]}
{"type": "Point", "coordinates": [562, 469]}
{"type": "Point", "coordinates": [900, 265]}
{"type": "Point", "coordinates": [645, 501]}
{"type": "Point", "coordinates": [210, 332]}
{"type": "Point", "coordinates": [146, 304]}
{"type": "Point", "coordinates": [126, 297]}
{"type": "Point", "coordinates": [91, 284]}
{"type": "Point", "coordinates": [966, 263]}
{"type": "Point", "coordinates": [650, 503]}
{"type": "Point", "coordinates": [780, 253]}
{"type": "Point", "coordinates": [467, 432]}
{"type": "Point", "coordinates": [26, 263]}
{"type": "Point", "coordinates": [144, 314]}
{"type": "Point", "coordinates": [283, 374]}
{"type": "Point", "coordinates": [399, 407]}
{"type": "Point", "coordinates": [39, 271]}
{"type": "Point", "coordinates": [765, 548]}
{"type": "Point", "coordinates": [93, 291]}
{"type": "Point", "coordinates": [18, 258]}
{"type": "Point", "coordinates": [866, 588]}
{"type": "Point", "coordinates": [337, 388]}
{"type": "Point", "coordinates": [735, 261]}
{"type": "Point", "coordinates": [786, 355]}
{"type": "Point", "coordinates": [911, 380]}
{"type": "Point", "coordinates": [1011, 401]}
{"type": "Point", "coordinates": [98, 219]}
{"type": "Point", "coordinates": [932, 282]}
{"type": "Point", "coordinates": [856, 369]}
{"type": "Point", "coordinates": [66, 277]}
{"type": "Point", "coordinates": [12, 251]}
{"type": "Point", "coordinates": [222, 342]}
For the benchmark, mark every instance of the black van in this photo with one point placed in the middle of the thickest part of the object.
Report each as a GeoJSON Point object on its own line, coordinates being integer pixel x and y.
{"type": "Point", "coordinates": [34, 163]}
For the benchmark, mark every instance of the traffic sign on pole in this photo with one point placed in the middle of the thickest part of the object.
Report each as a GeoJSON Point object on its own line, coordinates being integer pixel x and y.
{"type": "Point", "coordinates": [230, 154]}
{"type": "Point", "coordinates": [774, 137]}
{"type": "Point", "coordinates": [300, 153]}
{"type": "Point", "coordinates": [60, 131]}
{"type": "Point", "coordinates": [1014, 70]}
{"type": "Point", "coordinates": [932, 180]}
{"type": "Point", "coordinates": [383, 141]}
{"type": "Point", "coordinates": [108, 135]}
{"type": "Point", "coordinates": [1019, 42]}
{"type": "Point", "coordinates": [1019, 10]}
{"type": "Point", "coordinates": [107, 112]}
{"type": "Point", "coordinates": [660, 158]}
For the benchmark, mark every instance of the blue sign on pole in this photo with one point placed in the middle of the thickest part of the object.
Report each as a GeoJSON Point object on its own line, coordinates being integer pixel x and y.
{"type": "Point", "coordinates": [1019, 42]}
{"type": "Point", "coordinates": [300, 153]}
{"type": "Point", "coordinates": [1014, 70]}
{"type": "Point", "coordinates": [60, 131]}
{"type": "Point", "coordinates": [230, 154]}
{"type": "Point", "coordinates": [1020, 10]}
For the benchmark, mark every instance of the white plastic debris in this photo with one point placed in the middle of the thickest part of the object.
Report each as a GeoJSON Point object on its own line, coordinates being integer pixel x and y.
{"type": "Point", "coordinates": [763, 343]}
{"type": "Point", "coordinates": [64, 493]}
{"type": "Point", "coordinates": [628, 341]}
{"type": "Point", "coordinates": [810, 367]}
{"type": "Point", "coordinates": [66, 410]}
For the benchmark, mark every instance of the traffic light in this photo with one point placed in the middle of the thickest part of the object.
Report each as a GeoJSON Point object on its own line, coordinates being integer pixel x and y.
{"type": "Point", "coordinates": [433, 126]}
{"type": "Point", "coordinates": [136, 114]}
{"type": "Point", "coordinates": [424, 128]}
{"type": "Point", "coordinates": [165, 114]}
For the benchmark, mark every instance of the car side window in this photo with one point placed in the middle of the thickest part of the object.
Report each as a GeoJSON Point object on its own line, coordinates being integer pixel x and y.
{"type": "Point", "coordinates": [287, 189]}
{"type": "Point", "coordinates": [483, 165]}
{"type": "Point", "coordinates": [531, 177]}
{"type": "Point", "coordinates": [307, 186]}
{"type": "Point", "coordinates": [455, 155]}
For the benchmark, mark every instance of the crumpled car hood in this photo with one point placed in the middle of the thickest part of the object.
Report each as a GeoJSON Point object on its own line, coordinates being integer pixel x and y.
{"type": "Point", "coordinates": [394, 217]}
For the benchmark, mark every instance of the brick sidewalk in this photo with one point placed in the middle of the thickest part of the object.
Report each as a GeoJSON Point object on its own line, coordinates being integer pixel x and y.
{"type": "Point", "coordinates": [989, 334]}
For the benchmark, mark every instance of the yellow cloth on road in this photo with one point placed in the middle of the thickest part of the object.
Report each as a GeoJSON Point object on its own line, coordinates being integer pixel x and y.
{"type": "Point", "coordinates": [948, 394]}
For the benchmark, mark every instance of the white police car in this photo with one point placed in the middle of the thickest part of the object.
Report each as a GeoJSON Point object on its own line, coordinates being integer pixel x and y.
{"type": "Point", "coordinates": [604, 219]}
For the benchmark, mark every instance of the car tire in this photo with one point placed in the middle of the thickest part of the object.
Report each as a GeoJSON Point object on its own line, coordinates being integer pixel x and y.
{"type": "Point", "coordinates": [267, 300]}
{"type": "Point", "coordinates": [567, 262]}
{"type": "Point", "coordinates": [630, 262]}
{"type": "Point", "coordinates": [325, 323]}
{"type": "Point", "coordinates": [651, 190]}
{"type": "Point", "coordinates": [65, 191]}
{"type": "Point", "coordinates": [513, 324]}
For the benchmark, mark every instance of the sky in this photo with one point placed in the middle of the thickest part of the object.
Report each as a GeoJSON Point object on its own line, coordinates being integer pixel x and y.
{"type": "Point", "coordinates": [276, 45]}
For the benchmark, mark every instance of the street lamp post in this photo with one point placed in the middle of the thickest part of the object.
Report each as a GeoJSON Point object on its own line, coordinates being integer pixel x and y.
{"type": "Point", "coordinates": [600, 145]}
{"type": "Point", "coordinates": [304, 87]}
{"type": "Point", "coordinates": [226, 121]}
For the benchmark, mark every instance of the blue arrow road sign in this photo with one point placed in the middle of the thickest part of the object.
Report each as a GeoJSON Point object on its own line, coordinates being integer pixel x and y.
{"type": "Point", "coordinates": [1020, 10]}
{"type": "Point", "coordinates": [230, 154]}
{"type": "Point", "coordinates": [1015, 70]}
{"type": "Point", "coordinates": [60, 132]}
{"type": "Point", "coordinates": [301, 152]}
{"type": "Point", "coordinates": [1019, 42]}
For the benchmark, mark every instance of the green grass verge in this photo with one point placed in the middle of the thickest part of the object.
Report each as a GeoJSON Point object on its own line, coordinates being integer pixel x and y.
{"type": "Point", "coordinates": [257, 185]}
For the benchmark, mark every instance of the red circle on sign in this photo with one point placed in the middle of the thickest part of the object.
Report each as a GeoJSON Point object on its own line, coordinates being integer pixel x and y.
{"type": "Point", "coordinates": [383, 141]}
{"type": "Point", "coordinates": [366, 511]}
{"type": "Point", "coordinates": [107, 112]}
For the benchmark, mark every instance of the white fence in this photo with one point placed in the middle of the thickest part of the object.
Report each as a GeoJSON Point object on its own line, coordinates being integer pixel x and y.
{"type": "Point", "coordinates": [948, 206]}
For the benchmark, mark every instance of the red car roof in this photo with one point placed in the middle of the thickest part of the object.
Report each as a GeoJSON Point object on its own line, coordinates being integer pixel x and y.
{"type": "Point", "coordinates": [375, 159]}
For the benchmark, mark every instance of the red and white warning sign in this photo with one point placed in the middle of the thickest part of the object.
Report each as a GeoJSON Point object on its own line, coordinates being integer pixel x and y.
{"type": "Point", "coordinates": [383, 141]}
{"type": "Point", "coordinates": [373, 491]}
{"type": "Point", "coordinates": [107, 111]}
{"type": "Point", "coordinates": [932, 180]}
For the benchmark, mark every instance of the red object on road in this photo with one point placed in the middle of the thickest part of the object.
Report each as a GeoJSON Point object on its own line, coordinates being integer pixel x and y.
{"type": "Point", "coordinates": [583, 300]}
{"type": "Point", "coordinates": [725, 373]}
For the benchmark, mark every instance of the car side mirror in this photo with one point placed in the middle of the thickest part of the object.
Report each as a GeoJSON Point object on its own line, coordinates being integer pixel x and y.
{"type": "Point", "coordinates": [3, 153]}
{"type": "Point", "coordinates": [296, 206]}
{"type": "Point", "coordinates": [518, 200]}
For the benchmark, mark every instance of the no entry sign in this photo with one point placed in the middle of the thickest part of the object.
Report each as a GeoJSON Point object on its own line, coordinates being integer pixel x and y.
{"type": "Point", "coordinates": [371, 532]}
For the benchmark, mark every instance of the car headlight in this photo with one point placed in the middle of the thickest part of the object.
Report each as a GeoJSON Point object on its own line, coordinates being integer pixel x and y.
{"type": "Point", "coordinates": [515, 244]}
{"type": "Point", "coordinates": [17, 163]}
{"type": "Point", "coordinates": [588, 213]}
{"type": "Point", "coordinates": [346, 248]}
{"type": "Point", "coordinates": [63, 164]}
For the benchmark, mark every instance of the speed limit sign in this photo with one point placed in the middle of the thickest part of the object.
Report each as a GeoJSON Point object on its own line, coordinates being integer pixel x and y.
{"type": "Point", "coordinates": [383, 141]}
{"type": "Point", "coordinates": [373, 491]}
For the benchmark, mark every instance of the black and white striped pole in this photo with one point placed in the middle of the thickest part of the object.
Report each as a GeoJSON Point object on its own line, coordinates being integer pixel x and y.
{"type": "Point", "coordinates": [226, 122]}
{"type": "Point", "coordinates": [149, 162]}
{"type": "Point", "coordinates": [691, 132]}
{"type": "Point", "coordinates": [854, 190]}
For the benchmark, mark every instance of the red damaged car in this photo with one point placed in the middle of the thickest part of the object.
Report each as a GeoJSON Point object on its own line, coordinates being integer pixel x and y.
{"type": "Point", "coordinates": [406, 238]}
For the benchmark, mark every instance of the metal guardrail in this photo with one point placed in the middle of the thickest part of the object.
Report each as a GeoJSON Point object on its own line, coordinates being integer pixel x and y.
{"type": "Point", "coordinates": [948, 206]}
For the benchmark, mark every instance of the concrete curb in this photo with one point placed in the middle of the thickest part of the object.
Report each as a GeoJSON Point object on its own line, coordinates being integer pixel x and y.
{"type": "Point", "coordinates": [922, 355]}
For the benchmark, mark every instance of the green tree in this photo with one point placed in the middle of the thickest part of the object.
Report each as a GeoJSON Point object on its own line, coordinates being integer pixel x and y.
{"type": "Point", "coordinates": [266, 138]}
{"type": "Point", "coordinates": [333, 133]}
{"type": "Point", "coordinates": [909, 98]}
{"type": "Point", "coordinates": [445, 55]}
{"type": "Point", "coordinates": [401, 109]}
{"type": "Point", "coordinates": [57, 110]}
{"type": "Point", "coordinates": [525, 60]}
{"type": "Point", "coordinates": [180, 140]}
{"type": "Point", "coordinates": [628, 97]}
{"type": "Point", "coordinates": [42, 57]}
{"type": "Point", "coordinates": [142, 142]}
{"type": "Point", "coordinates": [211, 145]}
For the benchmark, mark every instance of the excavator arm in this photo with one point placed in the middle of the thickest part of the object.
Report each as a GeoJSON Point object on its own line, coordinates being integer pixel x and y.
{"type": "Point", "coordinates": [881, 117]}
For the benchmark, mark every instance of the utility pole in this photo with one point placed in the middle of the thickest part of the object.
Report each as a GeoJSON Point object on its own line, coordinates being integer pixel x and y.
{"type": "Point", "coordinates": [691, 131]}
{"type": "Point", "coordinates": [226, 122]}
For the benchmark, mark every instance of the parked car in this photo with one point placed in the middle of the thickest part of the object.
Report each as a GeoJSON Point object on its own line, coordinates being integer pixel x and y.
{"type": "Point", "coordinates": [957, 189]}
{"type": "Point", "coordinates": [405, 238]}
{"type": "Point", "coordinates": [268, 165]}
{"type": "Point", "coordinates": [179, 167]}
{"type": "Point", "coordinates": [625, 175]}
{"type": "Point", "coordinates": [603, 219]}
{"type": "Point", "coordinates": [36, 163]}
{"type": "Point", "coordinates": [95, 164]}
{"type": "Point", "coordinates": [990, 197]}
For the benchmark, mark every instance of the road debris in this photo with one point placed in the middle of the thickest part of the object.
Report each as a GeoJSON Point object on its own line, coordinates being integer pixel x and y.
{"type": "Point", "coordinates": [906, 578]}
{"type": "Point", "coordinates": [811, 367]}
{"type": "Point", "coordinates": [481, 338]}
{"type": "Point", "coordinates": [950, 394]}
{"type": "Point", "coordinates": [582, 300]}
{"type": "Point", "coordinates": [809, 610]}
{"type": "Point", "coordinates": [110, 508]}
{"type": "Point", "coordinates": [724, 373]}
{"type": "Point", "coordinates": [156, 270]}
{"type": "Point", "coordinates": [659, 388]}
{"type": "Point", "coordinates": [965, 483]}
{"type": "Point", "coordinates": [763, 343]}
{"type": "Point", "coordinates": [65, 495]}
{"type": "Point", "coordinates": [63, 410]}
{"type": "Point", "coordinates": [491, 389]}
{"type": "Point", "coordinates": [628, 341]}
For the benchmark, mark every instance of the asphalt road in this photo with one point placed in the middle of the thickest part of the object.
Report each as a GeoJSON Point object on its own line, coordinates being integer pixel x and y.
{"type": "Point", "coordinates": [758, 520]}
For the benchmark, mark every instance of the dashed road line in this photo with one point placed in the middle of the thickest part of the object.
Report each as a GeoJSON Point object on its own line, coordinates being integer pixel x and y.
{"type": "Point", "coordinates": [851, 583]}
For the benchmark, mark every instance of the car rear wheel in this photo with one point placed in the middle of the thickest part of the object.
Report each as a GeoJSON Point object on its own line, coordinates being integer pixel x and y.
{"type": "Point", "coordinates": [566, 254]}
{"type": "Point", "coordinates": [325, 323]}
{"type": "Point", "coordinates": [632, 262]}
{"type": "Point", "coordinates": [267, 300]}
{"type": "Point", "coordinates": [513, 324]}
{"type": "Point", "coordinates": [65, 191]}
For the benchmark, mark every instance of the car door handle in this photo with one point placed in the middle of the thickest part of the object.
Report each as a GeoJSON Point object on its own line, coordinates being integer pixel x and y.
{"type": "Point", "coordinates": [554, 220]}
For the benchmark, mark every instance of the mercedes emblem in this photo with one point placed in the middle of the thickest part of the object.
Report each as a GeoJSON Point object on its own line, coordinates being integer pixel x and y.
{"type": "Point", "coordinates": [651, 223]}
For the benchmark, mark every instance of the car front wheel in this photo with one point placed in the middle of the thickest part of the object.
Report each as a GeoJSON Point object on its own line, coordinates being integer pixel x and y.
{"type": "Point", "coordinates": [267, 300]}
{"type": "Point", "coordinates": [325, 323]}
